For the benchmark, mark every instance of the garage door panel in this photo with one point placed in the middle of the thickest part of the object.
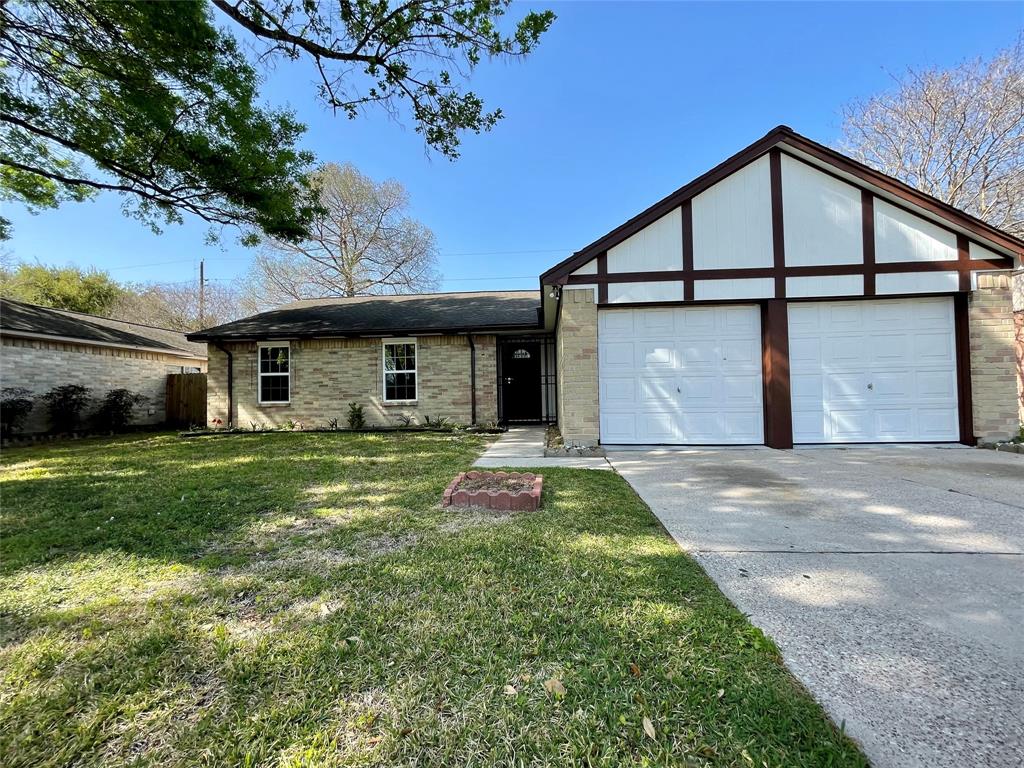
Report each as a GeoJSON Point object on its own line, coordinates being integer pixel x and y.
{"type": "Point", "coordinates": [694, 375]}
{"type": "Point", "coordinates": [612, 325]}
{"type": "Point", "coordinates": [886, 371]}
{"type": "Point", "coordinates": [657, 390]}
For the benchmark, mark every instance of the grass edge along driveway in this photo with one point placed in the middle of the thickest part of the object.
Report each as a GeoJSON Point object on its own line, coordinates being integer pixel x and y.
{"type": "Point", "coordinates": [303, 600]}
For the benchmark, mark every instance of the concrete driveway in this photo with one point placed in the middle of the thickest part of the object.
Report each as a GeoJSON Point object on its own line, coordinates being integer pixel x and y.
{"type": "Point", "coordinates": [892, 579]}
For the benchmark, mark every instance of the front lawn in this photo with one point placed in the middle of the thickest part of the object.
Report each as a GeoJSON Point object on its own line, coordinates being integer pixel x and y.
{"type": "Point", "coordinates": [303, 600]}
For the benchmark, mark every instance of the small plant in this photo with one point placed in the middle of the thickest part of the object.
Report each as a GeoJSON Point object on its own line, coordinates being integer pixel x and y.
{"type": "Point", "coordinates": [405, 421]}
{"type": "Point", "coordinates": [256, 426]}
{"type": "Point", "coordinates": [441, 422]}
{"type": "Point", "coordinates": [116, 409]}
{"type": "Point", "coordinates": [65, 404]}
{"type": "Point", "coordinates": [332, 424]}
{"type": "Point", "coordinates": [15, 405]}
{"type": "Point", "coordinates": [356, 419]}
{"type": "Point", "coordinates": [292, 426]}
{"type": "Point", "coordinates": [217, 423]}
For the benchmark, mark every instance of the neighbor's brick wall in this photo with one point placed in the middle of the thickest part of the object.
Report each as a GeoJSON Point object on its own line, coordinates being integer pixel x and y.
{"type": "Point", "coordinates": [328, 374]}
{"type": "Point", "coordinates": [995, 379]}
{"type": "Point", "coordinates": [39, 366]}
{"type": "Point", "coordinates": [1018, 321]}
{"type": "Point", "coordinates": [576, 343]}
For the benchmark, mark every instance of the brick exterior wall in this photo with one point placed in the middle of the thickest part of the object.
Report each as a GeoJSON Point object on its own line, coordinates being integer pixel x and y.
{"type": "Point", "coordinates": [39, 366]}
{"type": "Point", "coordinates": [328, 374]}
{"type": "Point", "coordinates": [576, 344]}
{"type": "Point", "coordinates": [995, 372]}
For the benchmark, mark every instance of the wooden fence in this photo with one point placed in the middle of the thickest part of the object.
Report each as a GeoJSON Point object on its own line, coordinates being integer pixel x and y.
{"type": "Point", "coordinates": [186, 399]}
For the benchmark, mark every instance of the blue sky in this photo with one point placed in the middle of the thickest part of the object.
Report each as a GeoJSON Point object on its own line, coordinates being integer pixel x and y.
{"type": "Point", "coordinates": [621, 104]}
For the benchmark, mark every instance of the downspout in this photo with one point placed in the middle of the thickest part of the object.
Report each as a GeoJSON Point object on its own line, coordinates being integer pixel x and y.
{"type": "Point", "coordinates": [472, 379]}
{"type": "Point", "coordinates": [231, 380]}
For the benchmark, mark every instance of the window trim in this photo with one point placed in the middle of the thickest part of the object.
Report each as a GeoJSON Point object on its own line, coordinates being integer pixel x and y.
{"type": "Point", "coordinates": [385, 343]}
{"type": "Point", "coordinates": [260, 374]}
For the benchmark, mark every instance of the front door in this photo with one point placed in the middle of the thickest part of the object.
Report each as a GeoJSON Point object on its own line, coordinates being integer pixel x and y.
{"type": "Point", "coordinates": [520, 381]}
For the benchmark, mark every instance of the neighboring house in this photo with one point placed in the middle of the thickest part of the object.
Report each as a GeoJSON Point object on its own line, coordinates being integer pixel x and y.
{"type": "Point", "coordinates": [44, 348]}
{"type": "Point", "coordinates": [789, 295]}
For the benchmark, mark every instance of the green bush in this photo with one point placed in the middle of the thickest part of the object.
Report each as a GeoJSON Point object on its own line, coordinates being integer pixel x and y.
{"type": "Point", "coordinates": [356, 419]}
{"type": "Point", "coordinates": [65, 404]}
{"type": "Point", "coordinates": [15, 405]}
{"type": "Point", "coordinates": [116, 409]}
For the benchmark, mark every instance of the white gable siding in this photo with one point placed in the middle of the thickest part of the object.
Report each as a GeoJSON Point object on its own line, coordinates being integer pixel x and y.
{"type": "Point", "coordinates": [666, 290]}
{"type": "Point", "coordinates": [590, 268]}
{"type": "Point", "coordinates": [821, 217]}
{"type": "Point", "coordinates": [732, 221]}
{"type": "Point", "coordinates": [656, 247]}
{"type": "Point", "coordinates": [824, 285]}
{"type": "Point", "coordinates": [917, 282]}
{"type": "Point", "coordinates": [981, 252]}
{"type": "Point", "coordinates": [748, 288]}
{"type": "Point", "coordinates": [902, 236]}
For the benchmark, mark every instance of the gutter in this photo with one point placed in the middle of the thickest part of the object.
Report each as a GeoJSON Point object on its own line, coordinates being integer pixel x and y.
{"type": "Point", "coordinates": [231, 381]}
{"type": "Point", "coordinates": [472, 378]}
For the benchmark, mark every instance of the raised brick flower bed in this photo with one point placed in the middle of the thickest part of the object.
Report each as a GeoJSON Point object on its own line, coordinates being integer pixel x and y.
{"type": "Point", "coordinates": [512, 491]}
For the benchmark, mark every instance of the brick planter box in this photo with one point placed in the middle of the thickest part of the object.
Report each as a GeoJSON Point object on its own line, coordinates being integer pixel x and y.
{"type": "Point", "coordinates": [514, 501]}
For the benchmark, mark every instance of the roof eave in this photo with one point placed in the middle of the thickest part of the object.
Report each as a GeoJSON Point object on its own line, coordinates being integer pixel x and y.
{"type": "Point", "coordinates": [364, 333]}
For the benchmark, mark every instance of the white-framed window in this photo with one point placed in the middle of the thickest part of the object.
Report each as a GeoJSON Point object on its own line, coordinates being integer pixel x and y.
{"type": "Point", "coordinates": [274, 381]}
{"type": "Point", "coordinates": [399, 370]}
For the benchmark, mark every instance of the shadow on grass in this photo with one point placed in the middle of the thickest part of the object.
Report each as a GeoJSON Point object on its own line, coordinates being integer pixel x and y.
{"type": "Point", "coordinates": [436, 652]}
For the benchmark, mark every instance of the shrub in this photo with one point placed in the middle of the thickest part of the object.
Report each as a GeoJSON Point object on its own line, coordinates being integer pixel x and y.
{"type": "Point", "coordinates": [405, 421]}
{"type": "Point", "coordinates": [116, 409]}
{"type": "Point", "coordinates": [64, 404]}
{"type": "Point", "coordinates": [356, 419]}
{"type": "Point", "coordinates": [332, 424]}
{"type": "Point", "coordinates": [15, 405]}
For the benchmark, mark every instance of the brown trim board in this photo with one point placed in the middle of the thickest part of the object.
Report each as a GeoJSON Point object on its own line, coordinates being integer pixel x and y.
{"type": "Point", "coordinates": [778, 401]}
{"type": "Point", "coordinates": [602, 272]}
{"type": "Point", "coordinates": [778, 226]}
{"type": "Point", "coordinates": [965, 401]}
{"type": "Point", "coordinates": [687, 216]}
{"type": "Point", "coordinates": [867, 223]}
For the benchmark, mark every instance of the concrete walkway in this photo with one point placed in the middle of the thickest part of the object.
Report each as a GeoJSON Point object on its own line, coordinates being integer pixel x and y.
{"type": "Point", "coordinates": [892, 579]}
{"type": "Point", "coordinates": [524, 447]}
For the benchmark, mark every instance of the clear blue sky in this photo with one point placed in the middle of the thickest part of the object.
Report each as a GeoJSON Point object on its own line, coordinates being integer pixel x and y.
{"type": "Point", "coordinates": [621, 104]}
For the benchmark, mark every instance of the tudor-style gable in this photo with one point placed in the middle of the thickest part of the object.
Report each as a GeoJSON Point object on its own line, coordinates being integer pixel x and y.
{"type": "Point", "coordinates": [788, 218]}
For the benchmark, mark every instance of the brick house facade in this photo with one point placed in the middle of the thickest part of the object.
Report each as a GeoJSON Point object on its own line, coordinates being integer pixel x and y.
{"type": "Point", "coordinates": [43, 348]}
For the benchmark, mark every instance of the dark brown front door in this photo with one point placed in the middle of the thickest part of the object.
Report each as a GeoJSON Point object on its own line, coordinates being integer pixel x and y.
{"type": "Point", "coordinates": [520, 382]}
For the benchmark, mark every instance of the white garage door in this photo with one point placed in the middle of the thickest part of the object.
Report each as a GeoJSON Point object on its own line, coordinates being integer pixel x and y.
{"type": "Point", "coordinates": [873, 371]}
{"type": "Point", "coordinates": [683, 375]}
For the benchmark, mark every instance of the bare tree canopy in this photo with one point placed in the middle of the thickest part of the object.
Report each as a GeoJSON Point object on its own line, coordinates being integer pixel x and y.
{"type": "Point", "coordinates": [956, 134]}
{"type": "Point", "coordinates": [365, 243]}
{"type": "Point", "coordinates": [176, 305]}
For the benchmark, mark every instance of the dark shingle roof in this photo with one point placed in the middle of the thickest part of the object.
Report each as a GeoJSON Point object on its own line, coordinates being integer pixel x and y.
{"type": "Point", "coordinates": [410, 314]}
{"type": "Point", "coordinates": [17, 316]}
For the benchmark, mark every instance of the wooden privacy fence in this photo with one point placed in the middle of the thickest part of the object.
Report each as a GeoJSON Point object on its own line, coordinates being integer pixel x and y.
{"type": "Point", "coordinates": [186, 399]}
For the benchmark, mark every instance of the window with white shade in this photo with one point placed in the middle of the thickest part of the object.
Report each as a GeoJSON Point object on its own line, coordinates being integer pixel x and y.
{"type": "Point", "coordinates": [275, 374]}
{"type": "Point", "coordinates": [399, 370]}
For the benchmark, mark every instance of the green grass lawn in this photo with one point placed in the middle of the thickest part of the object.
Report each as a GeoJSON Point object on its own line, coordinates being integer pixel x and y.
{"type": "Point", "coordinates": [303, 600]}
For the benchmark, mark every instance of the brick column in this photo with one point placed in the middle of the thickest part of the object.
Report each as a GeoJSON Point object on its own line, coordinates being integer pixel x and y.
{"type": "Point", "coordinates": [576, 344]}
{"type": "Point", "coordinates": [994, 361]}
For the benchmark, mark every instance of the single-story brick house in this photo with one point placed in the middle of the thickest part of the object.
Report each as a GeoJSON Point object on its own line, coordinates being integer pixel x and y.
{"type": "Point", "coordinates": [44, 348]}
{"type": "Point", "coordinates": [788, 295]}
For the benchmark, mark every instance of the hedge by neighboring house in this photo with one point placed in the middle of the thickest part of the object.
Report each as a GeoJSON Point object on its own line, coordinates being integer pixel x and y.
{"type": "Point", "coordinates": [45, 348]}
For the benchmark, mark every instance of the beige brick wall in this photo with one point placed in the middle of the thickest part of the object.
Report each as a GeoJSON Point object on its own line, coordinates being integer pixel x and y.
{"type": "Point", "coordinates": [328, 374]}
{"type": "Point", "coordinates": [39, 365]}
{"type": "Point", "coordinates": [994, 366]}
{"type": "Point", "coordinates": [576, 343]}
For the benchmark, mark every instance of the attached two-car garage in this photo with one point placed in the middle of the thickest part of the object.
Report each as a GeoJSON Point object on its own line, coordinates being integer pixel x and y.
{"type": "Point", "coordinates": [860, 371]}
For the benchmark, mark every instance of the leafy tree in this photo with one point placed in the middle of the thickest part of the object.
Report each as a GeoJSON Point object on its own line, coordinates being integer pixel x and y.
{"type": "Point", "coordinates": [957, 134]}
{"type": "Point", "coordinates": [147, 99]}
{"type": "Point", "coordinates": [364, 242]}
{"type": "Point", "coordinates": [154, 101]}
{"type": "Point", "coordinates": [61, 287]}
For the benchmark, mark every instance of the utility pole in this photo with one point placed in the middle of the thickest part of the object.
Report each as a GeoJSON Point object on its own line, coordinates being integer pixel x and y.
{"type": "Point", "coordinates": [202, 295]}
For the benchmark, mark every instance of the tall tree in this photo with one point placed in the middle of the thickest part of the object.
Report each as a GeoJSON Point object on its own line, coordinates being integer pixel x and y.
{"type": "Point", "coordinates": [154, 101]}
{"type": "Point", "coordinates": [364, 242]}
{"type": "Point", "coordinates": [61, 287]}
{"type": "Point", "coordinates": [957, 134]}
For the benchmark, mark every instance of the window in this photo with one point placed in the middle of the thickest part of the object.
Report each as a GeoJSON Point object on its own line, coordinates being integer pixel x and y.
{"type": "Point", "coordinates": [275, 373]}
{"type": "Point", "coordinates": [399, 370]}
